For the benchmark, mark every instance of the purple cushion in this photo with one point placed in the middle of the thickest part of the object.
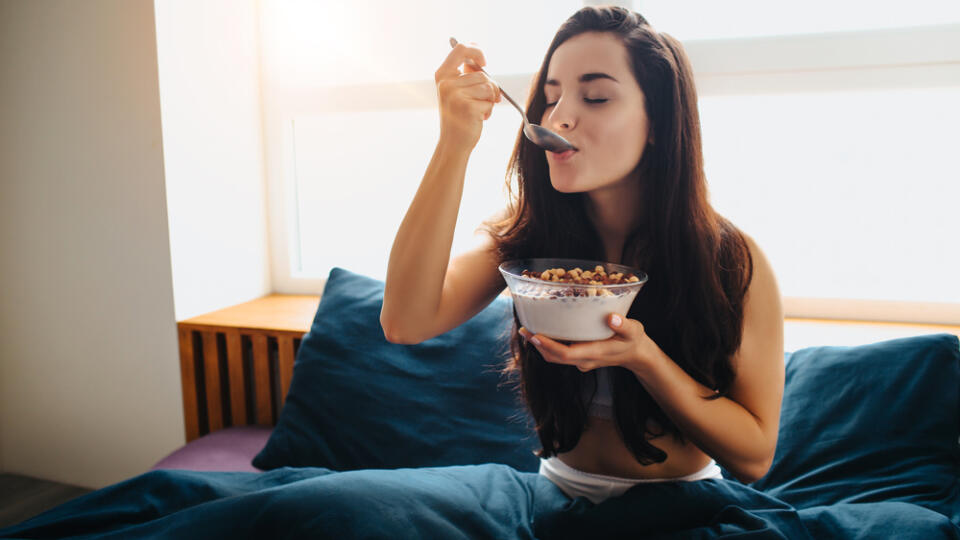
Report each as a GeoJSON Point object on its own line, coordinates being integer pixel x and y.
{"type": "Point", "coordinates": [229, 449]}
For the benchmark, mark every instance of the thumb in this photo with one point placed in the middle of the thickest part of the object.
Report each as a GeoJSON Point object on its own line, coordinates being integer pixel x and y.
{"type": "Point", "coordinates": [470, 67]}
{"type": "Point", "coordinates": [618, 323]}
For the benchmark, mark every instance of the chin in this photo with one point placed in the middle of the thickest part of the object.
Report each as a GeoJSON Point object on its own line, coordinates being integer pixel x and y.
{"type": "Point", "coordinates": [565, 185]}
{"type": "Point", "coordinates": [566, 189]}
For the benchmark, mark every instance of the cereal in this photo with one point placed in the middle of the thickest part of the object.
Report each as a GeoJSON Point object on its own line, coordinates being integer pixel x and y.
{"type": "Point", "coordinates": [591, 278]}
{"type": "Point", "coordinates": [597, 276]}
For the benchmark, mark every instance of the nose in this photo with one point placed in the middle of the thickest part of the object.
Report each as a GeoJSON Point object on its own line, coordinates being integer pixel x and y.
{"type": "Point", "coordinates": [561, 117]}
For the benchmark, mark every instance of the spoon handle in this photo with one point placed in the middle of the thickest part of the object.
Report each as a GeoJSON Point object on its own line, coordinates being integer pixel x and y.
{"type": "Point", "coordinates": [453, 43]}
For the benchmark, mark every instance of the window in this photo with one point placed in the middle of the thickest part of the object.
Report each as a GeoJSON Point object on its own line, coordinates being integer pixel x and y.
{"type": "Point", "coordinates": [707, 19]}
{"type": "Point", "coordinates": [851, 194]}
{"type": "Point", "coordinates": [326, 82]}
{"type": "Point", "coordinates": [827, 138]}
{"type": "Point", "coordinates": [362, 200]}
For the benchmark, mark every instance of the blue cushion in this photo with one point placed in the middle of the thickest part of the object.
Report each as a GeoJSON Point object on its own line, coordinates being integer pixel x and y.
{"type": "Point", "coordinates": [876, 422]}
{"type": "Point", "coordinates": [357, 401]}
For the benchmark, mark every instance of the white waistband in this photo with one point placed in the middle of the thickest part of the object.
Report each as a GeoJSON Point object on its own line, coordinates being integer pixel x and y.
{"type": "Point", "coordinates": [597, 487]}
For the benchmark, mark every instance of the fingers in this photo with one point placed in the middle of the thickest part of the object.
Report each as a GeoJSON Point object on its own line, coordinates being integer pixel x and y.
{"type": "Point", "coordinates": [472, 59]}
{"type": "Point", "coordinates": [471, 67]}
{"type": "Point", "coordinates": [482, 92]}
{"type": "Point", "coordinates": [550, 350]}
{"type": "Point", "coordinates": [474, 85]}
{"type": "Point", "coordinates": [486, 90]}
{"type": "Point", "coordinates": [458, 56]}
{"type": "Point", "coordinates": [529, 336]}
{"type": "Point", "coordinates": [585, 355]}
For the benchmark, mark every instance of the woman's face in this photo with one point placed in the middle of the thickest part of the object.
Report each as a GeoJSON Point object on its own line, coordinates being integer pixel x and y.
{"type": "Point", "coordinates": [594, 102]}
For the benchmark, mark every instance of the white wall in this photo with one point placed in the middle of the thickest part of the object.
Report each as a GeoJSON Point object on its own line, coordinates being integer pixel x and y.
{"type": "Point", "coordinates": [209, 69]}
{"type": "Point", "coordinates": [89, 378]}
{"type": "Point", "coordinates": [111, 228]}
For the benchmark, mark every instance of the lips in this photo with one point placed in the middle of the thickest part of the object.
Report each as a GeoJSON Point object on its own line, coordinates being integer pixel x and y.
{"type": "Point", "coordinates": [563, 156]}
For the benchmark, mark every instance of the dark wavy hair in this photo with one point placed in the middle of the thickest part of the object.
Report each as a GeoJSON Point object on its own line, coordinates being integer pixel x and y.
{"type": "Point", "coordinates": [698, 262]}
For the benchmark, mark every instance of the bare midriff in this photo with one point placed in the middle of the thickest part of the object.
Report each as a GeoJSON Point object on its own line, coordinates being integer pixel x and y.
{"type": "Point", "coordinates": [602, 451]}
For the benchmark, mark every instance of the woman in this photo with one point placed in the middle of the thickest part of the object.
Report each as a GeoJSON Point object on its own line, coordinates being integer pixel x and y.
{"type": "Point", "coordinates": [694, 374]}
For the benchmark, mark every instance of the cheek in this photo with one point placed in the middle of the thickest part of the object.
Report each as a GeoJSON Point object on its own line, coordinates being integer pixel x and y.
{"type": "Point", "coordinates": [622, 139]}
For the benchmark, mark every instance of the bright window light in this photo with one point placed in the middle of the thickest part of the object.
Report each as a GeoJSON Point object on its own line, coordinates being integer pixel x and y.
{"type": "Point", "coordinates": [383, 41]}
{"type": "Point", "coordinates": [352, 200]}
{"type": "Point", "coordinates": [709, 19]}
{"type": "Point", "coordinates": [851, 194]}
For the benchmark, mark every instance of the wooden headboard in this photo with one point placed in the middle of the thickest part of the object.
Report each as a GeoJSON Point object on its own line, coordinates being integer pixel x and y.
{"type": "Point", "coordinates": [236, 363]}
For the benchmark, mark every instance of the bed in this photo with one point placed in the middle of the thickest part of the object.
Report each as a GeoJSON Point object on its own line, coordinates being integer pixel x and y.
{"type": "Point", "coordinates": [377, 440]}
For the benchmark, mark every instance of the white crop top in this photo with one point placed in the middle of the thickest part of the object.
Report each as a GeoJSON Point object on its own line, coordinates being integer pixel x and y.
{"type": "Point", "coordinates": [602, 404]}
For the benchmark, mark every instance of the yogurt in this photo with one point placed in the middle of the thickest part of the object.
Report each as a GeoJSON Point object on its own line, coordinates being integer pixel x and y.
{"type": "Point", "coordinates": [570, 318]}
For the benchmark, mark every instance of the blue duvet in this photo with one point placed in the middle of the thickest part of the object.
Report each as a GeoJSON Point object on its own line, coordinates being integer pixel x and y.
{"type": "Point", "coordinates": [476, 501]}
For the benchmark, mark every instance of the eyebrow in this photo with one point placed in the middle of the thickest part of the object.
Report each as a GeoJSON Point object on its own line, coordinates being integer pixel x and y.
{"type": "Point", "coordinates": [585, 78]}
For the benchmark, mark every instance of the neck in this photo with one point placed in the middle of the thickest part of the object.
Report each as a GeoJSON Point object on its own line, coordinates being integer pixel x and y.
{"type": "Point", "coordinates": [614, 212]}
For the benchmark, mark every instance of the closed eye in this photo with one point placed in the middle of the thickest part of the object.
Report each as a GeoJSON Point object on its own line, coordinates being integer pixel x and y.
{"type": "Point", "coordinates": [586, 100]}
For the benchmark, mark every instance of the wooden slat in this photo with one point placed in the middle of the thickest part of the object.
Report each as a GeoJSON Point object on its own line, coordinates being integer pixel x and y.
{"type": "Point", "coordinates": [191, 415]}
{"type": "Point", "coordinates": [285, 357]}
{"type": "Point", "coordinates": [238, 401]}
{"type": "Point", "coordinates": [919, 328]}
{"type": "Point", "coordinates": [211, 372]}
{"type": "Point", "coordinates": [261, 375]}
{"type": "Point", "coordinates": [799, 333]}
{"type": "Point", "coordinates": [279, 312]}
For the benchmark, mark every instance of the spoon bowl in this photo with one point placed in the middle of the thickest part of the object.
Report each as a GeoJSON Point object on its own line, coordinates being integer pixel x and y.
{"type": "Point", "coordinates": [538, 135]}
{"type": "Point", "coordinates": [546, 139]}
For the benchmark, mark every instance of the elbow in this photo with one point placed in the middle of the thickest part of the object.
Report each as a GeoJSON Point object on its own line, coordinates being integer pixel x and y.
{"type": "Point", "coordinates": [757, 466]}
{"type": "Point", "coordinates": [754, 471]}
{"type": "Point", "coordinates": [397, 338]}
{"type": "Point", "coordinates": [394, 334]}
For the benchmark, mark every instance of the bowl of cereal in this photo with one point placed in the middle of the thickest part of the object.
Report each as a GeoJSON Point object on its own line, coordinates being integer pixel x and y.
{"type": "Point", "coordinates": [570, 299]}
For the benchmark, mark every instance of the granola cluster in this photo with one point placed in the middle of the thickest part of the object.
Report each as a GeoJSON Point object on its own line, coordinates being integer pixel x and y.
{"type": "Point", "coordinates": [597, 276]}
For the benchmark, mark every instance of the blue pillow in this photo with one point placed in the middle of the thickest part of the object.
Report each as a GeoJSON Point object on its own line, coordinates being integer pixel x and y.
{"type": "Point", "coordinates": [876, 422]}
{"type": "Point", "coordinates": [357, 401]}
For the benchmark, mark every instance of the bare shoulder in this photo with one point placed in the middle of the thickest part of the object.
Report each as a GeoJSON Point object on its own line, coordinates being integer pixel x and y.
{"type": "Point", "coordinates": [763, 306]}
{"type": "Point", "coordinates": [763, 281]}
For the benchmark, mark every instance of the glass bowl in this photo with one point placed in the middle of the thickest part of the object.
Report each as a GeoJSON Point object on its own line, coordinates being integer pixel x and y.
{"type": "Point", "coordinates": [569, 311]}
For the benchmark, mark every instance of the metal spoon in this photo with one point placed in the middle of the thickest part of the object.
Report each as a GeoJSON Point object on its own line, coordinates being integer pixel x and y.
{"type": "Point", "coordinates": [538, 135]}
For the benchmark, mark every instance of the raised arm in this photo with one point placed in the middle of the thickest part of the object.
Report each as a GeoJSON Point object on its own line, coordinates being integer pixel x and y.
{"type": "Point", "coordinates": [426, 293]}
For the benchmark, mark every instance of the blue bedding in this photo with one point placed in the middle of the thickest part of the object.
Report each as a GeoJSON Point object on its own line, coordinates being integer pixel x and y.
{"type": "Point", "coordinates": [472, 501]}
{"type": "Point", "coordinates": [378, 440]}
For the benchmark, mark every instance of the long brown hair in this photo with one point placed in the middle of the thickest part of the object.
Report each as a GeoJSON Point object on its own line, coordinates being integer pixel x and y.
{"type": "Point", "coordinates": [698, 263]}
